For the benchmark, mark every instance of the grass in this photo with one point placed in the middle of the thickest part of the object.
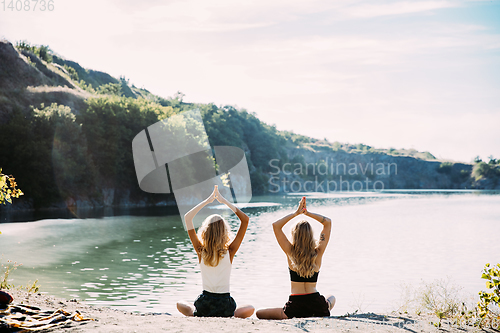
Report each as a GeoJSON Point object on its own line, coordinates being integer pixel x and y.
{"type": "Point", "coordinates": [358, 303]}
{"type": "Point", "coordinates": [441, 298]}
{"type": "Point", "coordinates": [446, 301]}
{"type": "Point", "coordinates": [32, 288]}
{"type": "Point", "coordinates": [7, 270]}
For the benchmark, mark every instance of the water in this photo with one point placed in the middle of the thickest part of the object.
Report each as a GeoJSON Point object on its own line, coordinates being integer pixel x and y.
{"type": "Point", "coordinates": [379, 242]}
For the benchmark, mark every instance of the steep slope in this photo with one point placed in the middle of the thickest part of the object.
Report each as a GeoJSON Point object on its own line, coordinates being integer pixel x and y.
{"type": "Point", "coordinates": [66, 132]}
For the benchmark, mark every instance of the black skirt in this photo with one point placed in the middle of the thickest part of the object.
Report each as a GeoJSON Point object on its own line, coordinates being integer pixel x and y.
{"type": "Point", "coordinates": [214, 305]}
{"type": "Point", "coordinates": [308, 305]}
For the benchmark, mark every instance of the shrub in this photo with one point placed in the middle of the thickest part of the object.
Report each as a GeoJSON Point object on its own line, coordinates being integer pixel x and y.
{"type": "Point", "coordinates": [441, 298]}
{"type": "Point", "coordinates": [362, 147]}
{"type": "Point", "coordinates": [8, 188]}
{"type": "Point", "coordinates": [73, 74]}
{"type": "Point", "coordinates": [445, 167]}
{"type": "Point", "coordinates": [489, 301]}
{"type": "Point", "coordinates": [72, 168]}
{"type": "Point", "coordinates": [42, 51]}
{"type": "Point", "coordinates": [110, 89]}
{"type": "Point", "coordinates": [484, 170]}
{"type": "Point", "coordinates": [461, 176]}
{"type": "Point", "coordinates": [25, 45]}
{"type": "Point", "coordinates": [87, 87]}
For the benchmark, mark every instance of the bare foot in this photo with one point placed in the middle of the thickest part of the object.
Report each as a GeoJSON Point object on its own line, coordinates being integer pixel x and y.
{"type": "Point", "coordinates": [331, 302]}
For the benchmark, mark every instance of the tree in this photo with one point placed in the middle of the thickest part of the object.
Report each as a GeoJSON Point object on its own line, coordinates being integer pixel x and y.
{"type": "Point", "coordinates": [8, 189]}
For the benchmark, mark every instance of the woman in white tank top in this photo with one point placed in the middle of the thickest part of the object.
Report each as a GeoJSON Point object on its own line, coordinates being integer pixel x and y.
{"type": "Point", "coordinates": [215, 252]}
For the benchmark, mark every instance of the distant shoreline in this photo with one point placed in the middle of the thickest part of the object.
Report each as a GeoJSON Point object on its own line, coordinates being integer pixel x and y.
{"type": "Point", "coordinates": [170, 208]}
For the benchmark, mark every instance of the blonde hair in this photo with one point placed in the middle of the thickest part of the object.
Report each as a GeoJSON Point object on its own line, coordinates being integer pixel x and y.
{"type": "Point", "coordinates": [214, 234]}
{"type": "Point", "coordinates": [303, 254]}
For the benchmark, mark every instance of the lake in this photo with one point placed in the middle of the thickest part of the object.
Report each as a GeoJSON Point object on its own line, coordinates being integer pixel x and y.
{"type": "Point", "coordinates": [379, 242]}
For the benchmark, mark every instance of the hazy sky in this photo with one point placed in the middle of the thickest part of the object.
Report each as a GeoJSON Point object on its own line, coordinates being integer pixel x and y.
{"type": "Point", "coordinates": [402, 74]}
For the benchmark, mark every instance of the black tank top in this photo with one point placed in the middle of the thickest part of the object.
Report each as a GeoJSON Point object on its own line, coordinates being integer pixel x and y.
{"type": "Point", "coordinates": [296, 278]}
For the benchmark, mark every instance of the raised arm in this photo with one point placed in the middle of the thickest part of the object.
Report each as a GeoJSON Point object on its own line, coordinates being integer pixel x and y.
{"type": "Point", "coordinates": [189, 216]}
{"type": "Point", "coordinates": [283, 241]}
{"type": "Point", "coordinates": [244, 219]}
{"type": "Point", "coordinates": [325, 233]}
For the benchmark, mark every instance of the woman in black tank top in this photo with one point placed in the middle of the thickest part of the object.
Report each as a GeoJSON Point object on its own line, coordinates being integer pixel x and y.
{"type": "Point", "coordinates": [304, 257]}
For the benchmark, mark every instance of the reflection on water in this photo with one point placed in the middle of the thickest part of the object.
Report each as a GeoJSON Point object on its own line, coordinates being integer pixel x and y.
{"type": "Point", "coordinates": [111, 259]}
{"type": "Point", "coordinates": [146, 263]}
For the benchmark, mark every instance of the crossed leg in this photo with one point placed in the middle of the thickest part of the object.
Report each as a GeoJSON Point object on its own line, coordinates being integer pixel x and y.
{"type": "Point", "coordinates": [271, 313]}
{"type": "Point", "coordinates": [278, 313]}
{"type": "Point", "coordinates": [244, 311]}
{"type": "Point", "coordinates": [187, 309]}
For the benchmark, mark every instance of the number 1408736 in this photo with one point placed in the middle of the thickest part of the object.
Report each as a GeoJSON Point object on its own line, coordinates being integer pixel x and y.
{"type": "Point", "coordinates": [28, 5]}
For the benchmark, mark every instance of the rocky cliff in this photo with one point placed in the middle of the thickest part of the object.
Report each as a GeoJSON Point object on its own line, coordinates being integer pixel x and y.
{"type": "Point", "coordinates": [295, 164]}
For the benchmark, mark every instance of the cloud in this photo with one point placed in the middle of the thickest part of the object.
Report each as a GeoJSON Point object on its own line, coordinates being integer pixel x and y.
{"type": "Point", "coordinates": [367, 10]}
{"type": "Point", "coordinates": [322, 68]}
{"type": "Point", "coordinates": [227, 15]}
{"type": "Point", "coordinates": [219, 15]}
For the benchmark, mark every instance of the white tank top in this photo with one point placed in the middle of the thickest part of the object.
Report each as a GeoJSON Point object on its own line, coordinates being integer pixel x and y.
{"type": "Point", "coordinates": [216, 279]}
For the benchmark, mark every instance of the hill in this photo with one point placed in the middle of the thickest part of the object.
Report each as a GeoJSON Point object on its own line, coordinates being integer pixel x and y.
{"type": "Point", "coordinates": [66, 133]}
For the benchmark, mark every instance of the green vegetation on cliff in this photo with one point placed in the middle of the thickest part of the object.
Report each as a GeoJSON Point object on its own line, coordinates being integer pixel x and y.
{"type": "Point", "coordinates": [66, 132]}
{"type": "Point", "coordinates": [487, 173]}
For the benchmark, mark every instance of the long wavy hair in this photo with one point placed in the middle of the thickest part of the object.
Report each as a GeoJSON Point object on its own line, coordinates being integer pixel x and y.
{"type": "Point", "coordinates": [215, 236]}
{"type": "Point", "coordinates": [304, 253]}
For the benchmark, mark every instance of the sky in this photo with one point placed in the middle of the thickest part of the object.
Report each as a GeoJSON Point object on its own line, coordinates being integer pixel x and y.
{"type": "Point", "coordinates": [422, 74]}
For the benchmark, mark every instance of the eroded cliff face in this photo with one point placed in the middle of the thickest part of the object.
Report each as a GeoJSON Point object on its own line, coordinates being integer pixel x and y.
{"type": "Point", "coordinates": [318, 171]}
{"type": "Point", "coordinates": [16, 71]}
{"type": "Point", "coordinates": [27, 81]}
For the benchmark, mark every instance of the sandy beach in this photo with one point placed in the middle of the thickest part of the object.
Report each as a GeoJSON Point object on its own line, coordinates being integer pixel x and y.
{"type": "Point", "coordinates": [110, 320]}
